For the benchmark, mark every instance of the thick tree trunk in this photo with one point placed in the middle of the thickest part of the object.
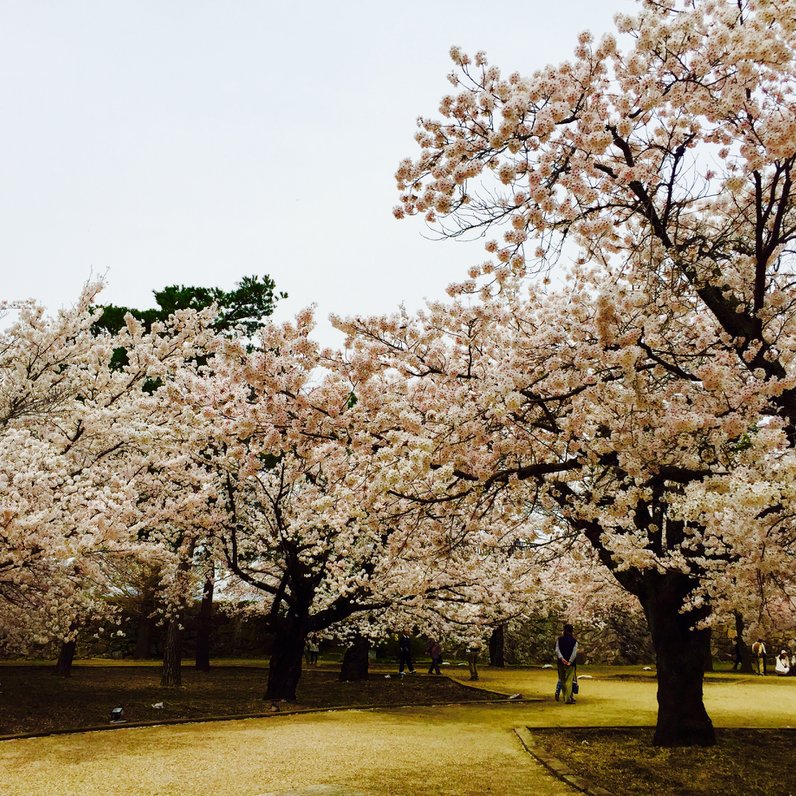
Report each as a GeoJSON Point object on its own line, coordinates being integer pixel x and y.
{"type": "Point", "coordinates": [680, 654]}
{"type": "Point", "coordinates": [143, 637]}
{"type": "Point", "coordinates": [171, 674]}
{"type": "Point", "coordinates": [284, 671]}
{"type": "Point", "coordinates": [355, 661]}
{"type": "Point", "coordinates": [63, 666]}
{"type": "Point", "coordinates": [746, 652]}
{"type": "Point", "coordinates": [497, 643]}
{"type": "Point", "coordinates": [146, 621]}
{"type": "Point", "coordinates": [204, 627]}
{"type": "Point", "coordinates": [707, 652]}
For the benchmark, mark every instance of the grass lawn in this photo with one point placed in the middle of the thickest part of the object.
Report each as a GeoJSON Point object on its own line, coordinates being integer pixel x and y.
{"type": "Point", "coordinates": [32, 699]}
{"type": "Point", "coordinates": [624, 762]}
{"type": "Point", "coordinates": [469, 748]}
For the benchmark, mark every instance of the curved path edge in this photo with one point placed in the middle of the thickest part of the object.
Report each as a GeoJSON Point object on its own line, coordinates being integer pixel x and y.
{"type": "Point", "coordinates": [260, 715]}
{"type": "Point", "coordinates": [557, 767]}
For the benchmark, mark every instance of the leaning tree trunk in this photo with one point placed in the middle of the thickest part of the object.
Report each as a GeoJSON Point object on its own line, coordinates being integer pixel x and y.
{"type": "Point", "coordinates": [746, 652]}
{"type": "Point", "coordinates": [171, 674]}
{"type": "Point", "coordinates": [680, 653]}
{"type": "Point", "coordinates": [63, 666]}
{"type": "Point", "coordinates": [355, 660]}
{"type": "Point", "coordinates": [284, 670]}
{"type": "Point", "coordinates": [204, 627]}
{"type": "Point", "coordinates": [497, 644]}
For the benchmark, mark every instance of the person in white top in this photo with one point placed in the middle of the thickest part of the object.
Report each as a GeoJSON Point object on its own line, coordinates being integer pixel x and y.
{"type": "Point", "coordinates": [782, 664]}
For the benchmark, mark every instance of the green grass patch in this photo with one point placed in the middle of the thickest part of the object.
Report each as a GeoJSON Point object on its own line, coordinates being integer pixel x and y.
{"type": "Point", "coordinates": [624, 762]}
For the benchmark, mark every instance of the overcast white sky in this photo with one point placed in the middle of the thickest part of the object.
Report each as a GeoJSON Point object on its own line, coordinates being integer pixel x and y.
{"type": "Point", "coordinates": [195, 142]}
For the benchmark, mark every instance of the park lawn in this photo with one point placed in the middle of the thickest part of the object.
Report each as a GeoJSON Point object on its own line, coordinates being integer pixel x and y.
{"type": "Point", "coordinates": [33, 700]}
{"type": "Point", "coordinates": [624, 762]}
{"type": "Point", "coordinates": [459, 749]}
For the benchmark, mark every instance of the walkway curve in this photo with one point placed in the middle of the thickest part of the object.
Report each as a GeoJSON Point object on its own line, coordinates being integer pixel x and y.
{"type": "Point", "coordinates": [450, 750]}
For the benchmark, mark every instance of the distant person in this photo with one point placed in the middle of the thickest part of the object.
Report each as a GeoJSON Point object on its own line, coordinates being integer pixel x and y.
{"type": "Point", "coordinates": [405, 652]}
{"type": "Point", "coordinates": [566, 655]}
{"type": "Point", "coordinates": [737, 662]}
{"type": "Point", "coordinates": [473, 651]}
{"type": "Point", "coordinates": [434, 650]}
{"type": "Point", "coordinates": [313, 648]}
{"type": "Point", "coordinates": [759, 653]}
{"type": "Point", "coordinates": [782, 664]}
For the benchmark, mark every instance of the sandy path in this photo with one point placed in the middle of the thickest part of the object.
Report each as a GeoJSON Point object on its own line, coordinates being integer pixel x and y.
{"type": "Point", "coordinates": [446, 750]}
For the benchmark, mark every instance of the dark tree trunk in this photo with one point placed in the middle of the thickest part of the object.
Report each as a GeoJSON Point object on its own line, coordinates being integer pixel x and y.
{"type": "Point", "coordinates": [63, 666]}
{"type": "Point", "coordinates": [746, 652]}
{"type": "Point", "coordinates": [680, 654]}
{"type": "Point", "coordinates": [707, 652]}
{"type": "Point", "coordinates": [146, 623]}
{"type": "Point", "coordinates": [284, 670]}
{"type": "Point", "coordinates": [355, 661]}
{"type": "Point", "coordinates": [171, 675]}
{"type": "Point", "coordinates": [143, 637]}
{"type": "Point", "coordinates": [203, 628]}
{"type": "Point", "coordinates": [497, 643]}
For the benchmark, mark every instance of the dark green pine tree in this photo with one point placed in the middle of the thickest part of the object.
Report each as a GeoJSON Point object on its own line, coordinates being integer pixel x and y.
{"type": "Point", "coordinates": [244, 308]}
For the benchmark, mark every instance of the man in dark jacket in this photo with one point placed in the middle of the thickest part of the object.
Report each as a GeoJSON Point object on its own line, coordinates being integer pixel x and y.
{"type": "Point", "coordinates": [566, 654]}
{"type": "Point", "coordinates": [405, 652]}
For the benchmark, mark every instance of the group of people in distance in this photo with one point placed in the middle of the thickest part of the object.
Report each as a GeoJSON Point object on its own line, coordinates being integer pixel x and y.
{"type": "Point", "coordinates": [434, 651]}
{"type": "Point", "coordinates": [566, 658]}
{"type": "Point", "coordinates": [784, 663]}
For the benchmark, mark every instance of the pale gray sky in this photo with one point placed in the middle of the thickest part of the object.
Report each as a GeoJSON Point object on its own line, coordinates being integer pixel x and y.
{"type": "Point", "coordinates": [195, 142]}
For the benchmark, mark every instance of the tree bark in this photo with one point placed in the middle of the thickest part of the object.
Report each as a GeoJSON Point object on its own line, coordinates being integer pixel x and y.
{"type": "Point", "coordinates": [707, 652]}
{"type": "Point", "coordinates": [355, 660]}
{"type": "Point", "coordinates": [204, 627]}
{"type": "Point", "coordinates": [63, 667]}
{"type": "Point", "coordinates": [497, 643]}
{"type": "Point", "coordinates": [284, 671]}
{"type": "Point", "coordinates": [680, 653]}
{"type": "Point", "coordinates": [746, 652]}
{"type": "Point", "coordinates": [143, 637]}
{"type": "Point", "coordinates": [171, 675]}
{"type": "Point", "coordinates": [146, 624]}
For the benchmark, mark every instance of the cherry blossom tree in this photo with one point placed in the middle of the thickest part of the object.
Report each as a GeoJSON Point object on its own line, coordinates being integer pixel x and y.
{"type": "Point", "coordinates": [580, 408]}
{"type": "Point", "coordinates": [239, 312]}
{"type": "Point", "coordinates": [75, 436]}
{"type": "Point", "coordinates": [311, 527]}
{"type": "Point", "coordinates": [663, 167]}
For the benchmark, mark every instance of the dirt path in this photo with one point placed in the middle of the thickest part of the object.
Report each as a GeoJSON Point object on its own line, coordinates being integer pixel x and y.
{"type": "Point", "coordinates": [450, 750]}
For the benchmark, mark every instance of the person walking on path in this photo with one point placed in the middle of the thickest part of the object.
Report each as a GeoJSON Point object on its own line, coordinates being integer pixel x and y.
{"type": "Point", "coordinates": [759, 652]}
{"type": "Point", "coordinates": [434, 649]}
{"type": "Point", "coordinates": [405, 652]}
{"type": "Point", "coordinates": [473, 651]}
{"type": "Point", "coordinates": [566, 655]}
